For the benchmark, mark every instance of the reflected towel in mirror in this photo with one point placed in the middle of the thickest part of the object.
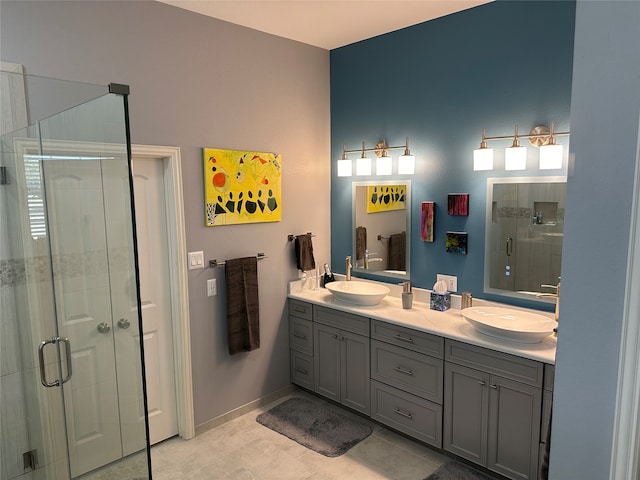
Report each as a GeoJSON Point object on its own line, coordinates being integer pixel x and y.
{"type": "Point", "coordinates": [361, 242]}
{"type": "Point", "coordinates": [397, 251]}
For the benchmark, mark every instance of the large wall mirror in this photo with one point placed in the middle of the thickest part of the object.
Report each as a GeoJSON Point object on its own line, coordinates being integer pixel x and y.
{"type": "Point", "coordinates": [524, 233]}
{"type": "Point", "coordinates": [381, 228]}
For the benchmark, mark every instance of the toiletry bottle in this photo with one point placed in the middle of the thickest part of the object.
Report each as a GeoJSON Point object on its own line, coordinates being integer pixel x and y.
{"type": "Point", "coordinates": [328, 276]}
{"type": "Point", "coordinates": [407, 295]}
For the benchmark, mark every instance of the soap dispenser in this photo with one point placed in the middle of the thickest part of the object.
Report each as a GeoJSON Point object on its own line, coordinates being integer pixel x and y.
{"type": "Point", "coordinates": [407, 295]}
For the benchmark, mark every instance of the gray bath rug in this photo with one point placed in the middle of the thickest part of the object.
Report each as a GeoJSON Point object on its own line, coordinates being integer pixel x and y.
{"type": "Point", "coordinates": [315, 426]}
{"type": "Point", "coordinates": [456, 471]}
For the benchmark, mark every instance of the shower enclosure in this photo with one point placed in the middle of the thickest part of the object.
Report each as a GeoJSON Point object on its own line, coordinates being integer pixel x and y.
{"type": "Point", "coordinates": [72, 389]}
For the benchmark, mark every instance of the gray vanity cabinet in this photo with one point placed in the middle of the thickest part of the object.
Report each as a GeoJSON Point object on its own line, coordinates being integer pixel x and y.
{"type": "Point", "coordinates": [301, 343]}
{"type": "Point", "coordinates": [341, 358]}
{"type": "Point", "coordinates": [547, 400]}
{"type": "Point", "coordinates": [492, 408]}
{"type": "Point", "coordinates": [406, 385]}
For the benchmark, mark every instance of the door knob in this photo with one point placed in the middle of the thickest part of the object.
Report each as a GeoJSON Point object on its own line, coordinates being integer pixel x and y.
{"type": "Point", "coordinates": [124, 323]}
{"type": "Point", "coordinates": [104, 327]}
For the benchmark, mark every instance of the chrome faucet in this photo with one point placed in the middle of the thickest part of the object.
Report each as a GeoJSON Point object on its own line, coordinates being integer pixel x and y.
{"type": "Point", "coordinates": [348, 259]}
{"type": "Point", "coordinates": [366, 258]}
{"type": "Point", "coordinates": [556, 295]}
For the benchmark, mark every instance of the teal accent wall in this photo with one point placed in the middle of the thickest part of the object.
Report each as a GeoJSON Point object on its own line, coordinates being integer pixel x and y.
{"type": "Point", "coordinates": [440, 83]}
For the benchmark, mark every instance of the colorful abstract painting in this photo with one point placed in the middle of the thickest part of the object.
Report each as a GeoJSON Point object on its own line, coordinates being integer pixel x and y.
{"type": "Point", "coordinates": [457, 242]}
{"type": "Point", "coordinates": [427, 223]}
{"type": "Point", "coordinates": [458, 204]}
{"type": "Point", "coordinates": [241, 187]}
{"type": "Point", "coordinates": [382, 198]}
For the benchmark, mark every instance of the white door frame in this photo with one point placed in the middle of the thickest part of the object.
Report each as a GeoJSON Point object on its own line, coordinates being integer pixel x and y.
{"type": "Point", "coordinates": [177, 255]}
{"type": "Point", "coordinates": [625, 455]}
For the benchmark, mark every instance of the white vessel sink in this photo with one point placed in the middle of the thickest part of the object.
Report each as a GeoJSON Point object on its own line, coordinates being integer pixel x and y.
{"type": "Point", "coordinates": [510, 324]}
{"type": "Point", "coordinates": [358, 293]}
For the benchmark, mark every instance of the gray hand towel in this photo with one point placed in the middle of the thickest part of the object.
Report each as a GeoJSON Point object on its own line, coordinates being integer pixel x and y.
{"type": "Point", "coordinates": [243, 309]}
{"type": "Point", "coordinates": [361, 242]}
{"type": "Point", "coordinates": [304, 253]}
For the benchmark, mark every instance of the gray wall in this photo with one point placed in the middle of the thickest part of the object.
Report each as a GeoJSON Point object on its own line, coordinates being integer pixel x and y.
{"type": "Point", "coordinates": [199, 82]}
{"type": "Point", "coordinates": [605, 110]}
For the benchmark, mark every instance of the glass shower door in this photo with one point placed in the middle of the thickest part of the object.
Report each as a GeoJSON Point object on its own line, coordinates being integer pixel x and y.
{"type": "Point", "coordinates": [77, 312]}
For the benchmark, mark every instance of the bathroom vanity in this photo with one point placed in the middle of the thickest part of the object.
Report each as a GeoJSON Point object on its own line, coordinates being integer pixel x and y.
{"type": "Point", "coordinates": [427, 374]}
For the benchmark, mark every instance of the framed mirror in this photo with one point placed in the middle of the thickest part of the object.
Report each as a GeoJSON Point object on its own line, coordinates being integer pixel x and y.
{"type": "Point", "coordinates": [524, 234]}
{"type": "Point", "coordinates": [381, 228]}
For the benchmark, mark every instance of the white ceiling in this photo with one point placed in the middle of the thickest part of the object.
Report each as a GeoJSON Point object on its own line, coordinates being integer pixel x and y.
{"type": "Point", "coordinates": [326, 23]}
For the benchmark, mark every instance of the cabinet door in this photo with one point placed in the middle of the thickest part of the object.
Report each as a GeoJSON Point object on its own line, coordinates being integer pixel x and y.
{"type": "Point", "coordinates": [465, 412]}
{"type": "Point", "coordinates": [354, 368]}
{"type": "Point", "coordinates": [326, 361]}
{"type": "Point", "coordinates": [514, 428]}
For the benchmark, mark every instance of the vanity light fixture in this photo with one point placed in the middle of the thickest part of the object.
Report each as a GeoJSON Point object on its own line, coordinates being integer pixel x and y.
{"type": "Point", "coordinates": [345, 168]}
{"type": "Point", "coordinates": [483, 156]}
{"type": "Point", "coordinates": [406, 161]}
{"type": "Point", "coordinates": [550, 153]}
{"type": "Point", "coordinates": [384, 162]}
{"type": "Point", "coordinates": [515, 156]}
{"type": "Point", "coordinates": [363, 164]}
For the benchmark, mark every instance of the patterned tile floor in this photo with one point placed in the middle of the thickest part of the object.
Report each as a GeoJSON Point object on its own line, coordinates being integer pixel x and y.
{"type": "Point", "coordinates": [242, 449]}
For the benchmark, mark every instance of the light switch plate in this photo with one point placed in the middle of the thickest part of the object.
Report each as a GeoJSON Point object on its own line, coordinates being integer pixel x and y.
{"type": "Point", "coordinates": [452, 281]}
{"type": "Point", "coordinates": [195, 260]}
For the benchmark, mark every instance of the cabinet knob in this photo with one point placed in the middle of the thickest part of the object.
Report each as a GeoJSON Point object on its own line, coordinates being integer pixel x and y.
{"type": "Point", "coordinates": [495, 387]}
{"type": "Point", "coordinates": [482, 383]}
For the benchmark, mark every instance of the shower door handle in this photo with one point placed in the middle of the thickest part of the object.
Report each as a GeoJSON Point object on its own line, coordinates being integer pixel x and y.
{"type": "Point", "coordinates": [43, 373]}
{"type": "Point", "coordinates": [67, 349]}
{"type": "Point", "coordinates": [509, 248]}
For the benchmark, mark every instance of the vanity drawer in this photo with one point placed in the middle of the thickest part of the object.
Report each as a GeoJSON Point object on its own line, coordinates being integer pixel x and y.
{"type": "Point", "coordinates": [301, 335]}
{"type": "Point", "coordinates": [505, 365]}
{"type": "Point", "coordinates": [342, 320]}
{"type": "Point", "coordinates": [415, 340]}
{"type": "Point", "coordinates": [413, 372]}
{"type": "Point", "coordinates": [302, 369]}
{"type": "Point", "coordinates": [407, 413]}
{"type": "Point", "coordinates": [300, 309]}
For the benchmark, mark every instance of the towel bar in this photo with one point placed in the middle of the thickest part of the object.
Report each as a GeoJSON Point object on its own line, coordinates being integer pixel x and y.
{"type": "Point", "coordinates": [383, 237]}
{"type": "Point", "coordinates": [291, 238]}
{"type": "Point", "coordinates": [215, 263]}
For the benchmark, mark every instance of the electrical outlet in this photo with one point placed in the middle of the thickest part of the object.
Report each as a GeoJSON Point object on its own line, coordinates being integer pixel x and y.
{"type": "Point", "coordinates": [195, 260]}
{"type": "Point", "coordinates": [212, 288]}
{"type": "Point", "coordinates": [452, 281]}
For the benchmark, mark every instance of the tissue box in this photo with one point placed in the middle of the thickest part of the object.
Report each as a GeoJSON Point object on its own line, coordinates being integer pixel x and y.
{"type": "Point", "coordinates": [440, 301]}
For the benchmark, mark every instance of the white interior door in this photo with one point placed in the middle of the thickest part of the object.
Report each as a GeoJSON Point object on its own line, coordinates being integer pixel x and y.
{"type": "Point", "coordinates": [155, 292]}
{"type": "Point", "coordinates": [83, 302]}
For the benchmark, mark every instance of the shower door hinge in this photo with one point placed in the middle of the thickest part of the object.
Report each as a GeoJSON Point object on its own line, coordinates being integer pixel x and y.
{"type": "Point", "coordinates": [30, 459]}
{"type": "Point", "coordinates": [119, 89]}
{"type": "Point", "coordinates": [3, 176]}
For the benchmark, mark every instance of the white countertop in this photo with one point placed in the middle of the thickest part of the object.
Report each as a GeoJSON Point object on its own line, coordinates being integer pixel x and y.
{"type": "Point", "coordinates": [449, 324]}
